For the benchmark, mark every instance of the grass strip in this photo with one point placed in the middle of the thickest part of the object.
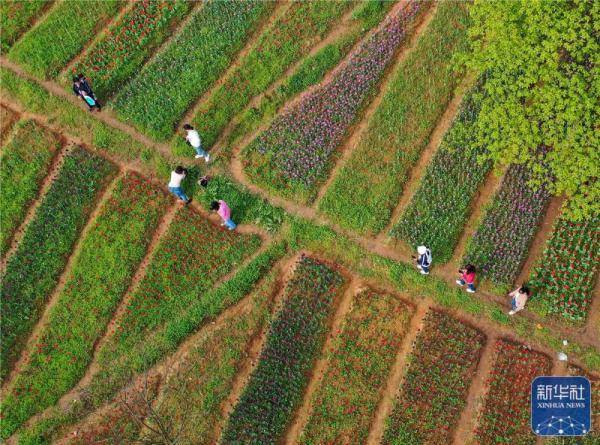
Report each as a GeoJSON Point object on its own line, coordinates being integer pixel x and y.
{"type": "Point", "coordinates": [16, 16]}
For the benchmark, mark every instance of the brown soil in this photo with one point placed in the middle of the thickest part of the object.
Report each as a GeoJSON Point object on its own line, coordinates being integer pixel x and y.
{"type": "Point", "coordinates": [592, 328]}
{"type": "Point", "coordinates": [8, 118]}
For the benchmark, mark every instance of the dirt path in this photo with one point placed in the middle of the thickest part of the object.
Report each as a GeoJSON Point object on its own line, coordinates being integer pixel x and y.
{"type": "Point", "coordinates": [9, 119]}
{"type": "Point", "coordinates": [435, 139]}
{"type": "Point", "coordinates": [52, 300]}
{"type": "Point", "coordinates": [357, 132]}
{"type": "Point", "coordinates": [384, 408]}
{"type": "Point", "coordinates": [318, 371]}
{"type": "Point", "coordinates": [466, 425]}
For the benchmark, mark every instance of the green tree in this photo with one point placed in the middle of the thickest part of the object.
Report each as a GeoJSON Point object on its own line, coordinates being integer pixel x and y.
{"type": "Point", "coordinates": [540, 61]}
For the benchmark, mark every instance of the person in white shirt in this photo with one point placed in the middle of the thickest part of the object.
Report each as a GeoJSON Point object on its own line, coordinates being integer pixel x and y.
{"type": "Point", "coordinates": [177, 176]}
{"type": "Point", "coordinates": [518, 298]}
{"type": "Point", "coordinates": [193, 138]}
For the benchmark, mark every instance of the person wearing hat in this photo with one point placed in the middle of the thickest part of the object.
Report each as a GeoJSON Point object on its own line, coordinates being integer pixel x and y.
{"type": "Point", "coordinates": [423, 259]}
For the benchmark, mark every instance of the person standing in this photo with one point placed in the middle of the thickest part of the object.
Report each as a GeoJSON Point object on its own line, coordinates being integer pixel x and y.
{"type": "Point", "coordinates": [224, 212]}
{"type": "Point", "coordinates": [467, 277]}
{"type": "Point", "coordinates": [82, 88]}
{"type": "Point", "coordinates": [193, 138]}
{"type": "Point", "coordinates": [424, 259]}
{"type": "Point", "coordinates": [177, 177]}
{"type": "Point", "coordinates": [518, 298]}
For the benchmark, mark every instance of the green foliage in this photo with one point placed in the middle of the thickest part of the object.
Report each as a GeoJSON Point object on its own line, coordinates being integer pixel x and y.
{"type": "Point", "coordinates": [46, 50]}
{"type": "Point", "coordinates": [15, 17]}
{"type": "Point", "coordinates": [156, 99]}
{"type": "Point", "coordinates": [366, 190]}
{"type": "Point", "coordinates": [24, 163]}
{"type": "Point", "coordinates": [541, 64]}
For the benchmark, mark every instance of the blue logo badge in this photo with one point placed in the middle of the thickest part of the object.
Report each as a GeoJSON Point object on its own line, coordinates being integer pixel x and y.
{"type": "Point", "coordinates": [561, 406]}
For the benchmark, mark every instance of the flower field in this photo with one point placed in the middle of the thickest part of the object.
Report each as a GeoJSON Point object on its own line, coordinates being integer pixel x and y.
{"type": "Point", "coordinates": [499, 246]}
{"type": "Point", "coordinates": [505, 415]}
{"type": "Point", "coordinates": [109, 255]}
{"type": "Point", "coordinates": [366, 190]}
{"type": "Point", "coordinates": [24, 163]}
{"type": "Point", "coordinates": [435, 387]}
{"type": "Point", "coordinates": [16, 16]}
{"type": "Point", "coordinates": [358, 367]}
{"type": "Point", "coordinates": [296, 151]}
{"type": "Point", "coordinates": [564, 278]}
{"type": "Point", "coordinates": [157, 98]}
{"type": "Point", "coordinates": [43, 252]}
{"type": "Point", "coordinates": [295, 338]}
{"type": "Point", "coordinates": [438, 211]}
{"type": "Point", "coordinates": [69, 25]}
{"type": "Point", "coordinates": [128, 43]}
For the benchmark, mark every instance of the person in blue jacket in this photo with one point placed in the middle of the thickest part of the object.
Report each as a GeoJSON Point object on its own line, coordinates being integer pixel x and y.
{"type": "Point", "coordinates": [423, 259]}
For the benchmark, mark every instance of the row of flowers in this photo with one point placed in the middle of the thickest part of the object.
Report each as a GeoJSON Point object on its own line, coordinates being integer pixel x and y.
{"type": "Point", "coordinates": [564, 278]}
{"type": "Point", "coordinates": [295, 338]}
{"type": "Point", "coordinates": [436, 384]}
{"type": "Point", "coordinates": [25, 162]}
{"type": "Point", "coordinates": [297, 148]}
{"type": "Point", "coordinates": [358, 367]}
{"type": "Point", "coordinates": [34, 269]}
{"type": "Point", "coordinates": [16, 17]}
{"type": "Point", "coordinates": [439, 209]}
{"type": "Point", "coordinates": [505, 417]}
{"type": "Point", "coordinates": [157, 98]}
{"type": "Point", "coordinates": [128, 43]}
{"type": "Point", "coordinates": [500, 243]}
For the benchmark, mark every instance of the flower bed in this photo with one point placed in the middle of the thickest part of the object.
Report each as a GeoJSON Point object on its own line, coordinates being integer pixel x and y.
{"type": "Point", "coordinates": [440, 207]}
{"type": "Point", "coordinates": [436, 384]}
{"type": "Point", "coordinates": [296, 151]}
{"type": "Point", "coordinates": [295, 339]}
{"type": "Point", "coordinates": [191, 257]}
{"type": "Point", "coordinates": [366, 190]}
{"type": "Point", "coordinates": [500, 244]}
{"type": "Point", "coordinates": [156, 99]}
{"type": "Point", "coordinates": [563, 280]}
{"type": "Point", "coordinates": [69, 26]}
{"type": "Point", "coordinates": [357, 370]}
{"type": "Point", "coordinates": [16, 16]}
{"type": "Point", "coordinates": [282, 43]}
{"type": "Point", "coordinates": [505, 417]}
{"type": "Point", "coordinates": [128, 43]}
{"type": "Point", "coordinates": [23, 166]}
{"type": "Point", "coordinates": [101, 273]}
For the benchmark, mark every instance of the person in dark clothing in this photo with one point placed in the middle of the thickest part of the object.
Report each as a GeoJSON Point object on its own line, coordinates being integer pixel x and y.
{"type": "Point", "coordinates": [82, 88]}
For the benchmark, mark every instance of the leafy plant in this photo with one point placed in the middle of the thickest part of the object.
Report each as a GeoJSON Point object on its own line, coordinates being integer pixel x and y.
{"type": "Point", "coordinates": [16, 16]}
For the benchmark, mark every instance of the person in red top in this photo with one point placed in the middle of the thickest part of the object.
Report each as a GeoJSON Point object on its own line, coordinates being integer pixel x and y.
{"type": "Point", "coordinates": [467, 276]}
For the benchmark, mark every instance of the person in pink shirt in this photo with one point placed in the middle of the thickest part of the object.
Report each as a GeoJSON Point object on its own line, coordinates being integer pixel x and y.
{"type": "Point", "coordinates": [467, 276]}
{"type": "Point", "coordinates": [224, 212]}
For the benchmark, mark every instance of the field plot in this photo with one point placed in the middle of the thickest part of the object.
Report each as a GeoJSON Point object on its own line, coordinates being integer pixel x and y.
{"type": "Point", "coordinates": [43, 252]}
{"type": "Point", "coordinates": [499, 246]}
{"type": "Point", "coordinates": [69, 26]}
{"type": "Point", "coordinates": [435, 387]}
{"type": "Point", "coordinates": [358, 366]}
{"type": "Point", "coordinates": [295, 152]}
{"type": "Point", "coordinates": [101, 273]}
{"type": "Point", "coordinates": [128, 43]}
{"type": "Point", "coordinates": [16, 16]}
{"type": "Point", "coordinates": [24, 163]}
{"type": "Point", "coordinates": [438, 211]}
{"type": "Point", "coordinates": [366, 190]}
{"type": "Point", "coordinates": [186, 69]}
{"type": "Point", "coordinates": [565, 275]}
{"type": "Point", "coordinates": [294, 341]}
{"type": "Point", "coordinates": [505, 415]}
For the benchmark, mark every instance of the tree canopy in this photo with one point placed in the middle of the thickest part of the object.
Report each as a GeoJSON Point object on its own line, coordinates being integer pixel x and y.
{"type": "Point", "coordinates": [540, 63]}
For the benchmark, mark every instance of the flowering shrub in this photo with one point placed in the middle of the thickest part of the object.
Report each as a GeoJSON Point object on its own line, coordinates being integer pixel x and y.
{"type": "Point", "coordinates": [294, 152]}
{"type": "Point", "coordinates": [500, 243]}
{"type": "Point", "coordinates": [441, 205]}
{"type": "Point", "coordinates": [435, 388]}
{"type": "Point", "coordinates": [24, 164]}
{"type": "Point", "coordinates": [15, 17]}
{"type": "Point", "coordinates": [128, 43]}
{"type": "Point", "coordinates": [295, 338]}
{"type": "Point", "coordinates": [564, 278]}
{"type": "Point", "coordinates": [505, 417]}
{"type": "Point", "coordinates": [62, 34]}
{"type": "Point", "coordinates": [358, 368]}
{"type": "Point", "coordinates": [156, 99]}
{"type": "Point", "coordinates": [109, 256]}
{"type": "Point", "coordinates": [367, 188]}
{"type": "Point", "coordinates": [191, 257]}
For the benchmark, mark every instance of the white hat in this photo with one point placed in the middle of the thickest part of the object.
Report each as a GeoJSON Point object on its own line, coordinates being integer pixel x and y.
{"type": "Point", "coordinates": [421, 250]}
